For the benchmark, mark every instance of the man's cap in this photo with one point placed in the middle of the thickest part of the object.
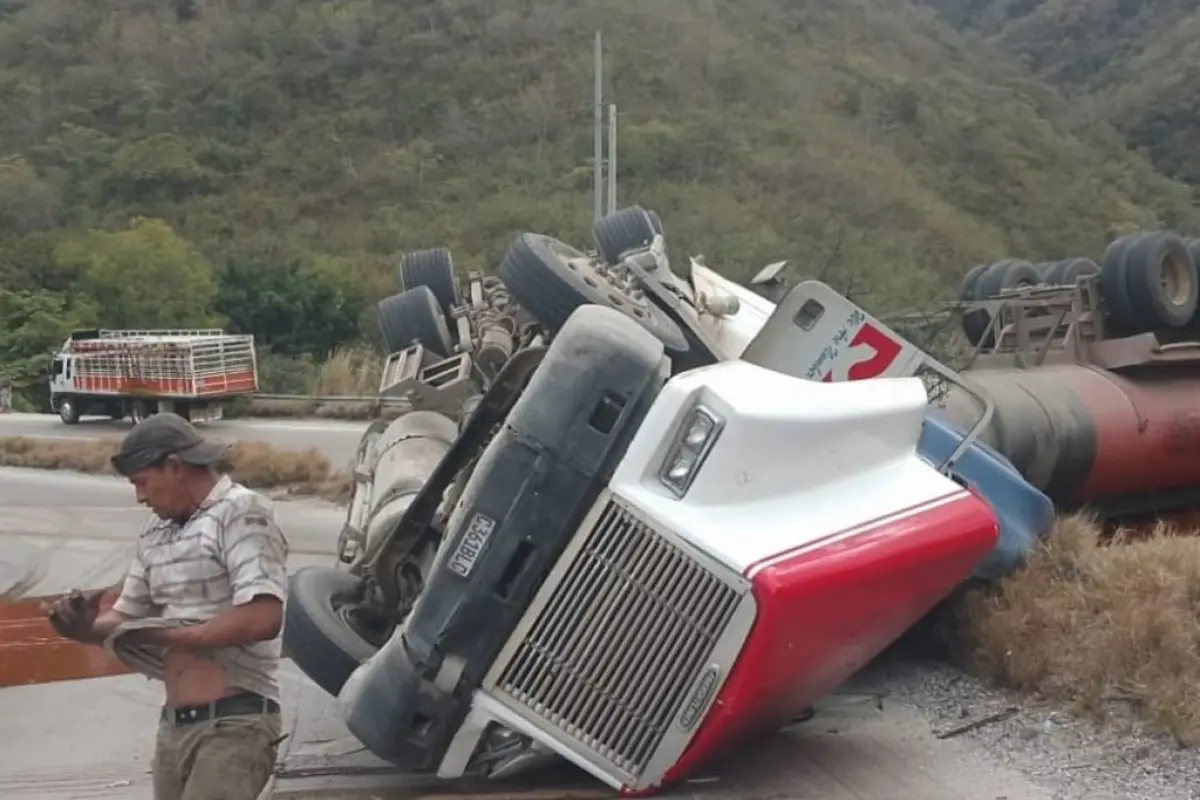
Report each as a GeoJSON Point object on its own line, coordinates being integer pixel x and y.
{"type": "Point", "coordinates": [163, 435]}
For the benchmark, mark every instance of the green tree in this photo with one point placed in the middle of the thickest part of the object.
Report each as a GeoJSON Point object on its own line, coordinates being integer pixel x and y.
{"type": "Point", "coordinates": [146, 276]}
{"type": "Point", "coordinates": [32, 327]}
{"type": "Point", "coordinates": [299, 308]}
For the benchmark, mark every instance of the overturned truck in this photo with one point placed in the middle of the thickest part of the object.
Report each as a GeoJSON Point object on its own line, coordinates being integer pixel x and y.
{"type": "Point", "coordinates": [648, 535]}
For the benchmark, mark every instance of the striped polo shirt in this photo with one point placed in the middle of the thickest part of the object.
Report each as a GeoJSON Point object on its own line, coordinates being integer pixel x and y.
{"type": "Point", "coordinates": [228, 552]}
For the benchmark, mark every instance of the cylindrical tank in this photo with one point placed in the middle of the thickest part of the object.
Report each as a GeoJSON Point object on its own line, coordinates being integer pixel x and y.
{"type": "Point", "coordinates": [1082, 434]}
{"type": "Point", "coordinates": [393, 464]}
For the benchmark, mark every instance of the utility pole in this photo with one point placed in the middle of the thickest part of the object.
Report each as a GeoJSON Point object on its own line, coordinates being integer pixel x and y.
{"type": "Point", "coordinates": [612, 158]}
{"type": "Point", "coordinates": [598, 136]}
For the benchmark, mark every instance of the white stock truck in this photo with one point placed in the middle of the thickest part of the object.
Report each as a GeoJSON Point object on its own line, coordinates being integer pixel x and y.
{"type": "Point", "coordinates": [136, 373]}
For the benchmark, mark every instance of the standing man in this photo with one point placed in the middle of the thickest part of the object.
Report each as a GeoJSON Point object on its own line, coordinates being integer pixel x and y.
{"type": "Point", "coordinates": [211, 566]}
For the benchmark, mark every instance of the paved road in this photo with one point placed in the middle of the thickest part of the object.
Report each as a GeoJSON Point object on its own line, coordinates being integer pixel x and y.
{"type": "Point", "coordinates": [334, 438]}
{"type": "Point", "coordinates": [93, 738]}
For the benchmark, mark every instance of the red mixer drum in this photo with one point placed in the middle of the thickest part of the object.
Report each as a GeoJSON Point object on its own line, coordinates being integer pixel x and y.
{"type": "Point", "coordinates": [1125, 443]}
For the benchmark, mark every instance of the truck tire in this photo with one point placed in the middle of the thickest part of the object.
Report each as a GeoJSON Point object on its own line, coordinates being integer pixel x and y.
{"type": "Point", "coordinates": [1046, 271]}
{"type": "Point", "coordinates": [139, 411]}
{"type": "Point", "coordinates": [414, 315]}
{"type": "Point", "coordinates": [550, 279]}
{"type": "Point", "coordinates": [68, 411]}
{"type": "Point", "coordinates": [1007, 274]}
{"type": "Point", "coordinates": [1068, 272]}
{"type": "Point", "coordinates": [1113, 285]}
{"type": "Point", "coordinates": [974, 323]}
{"type": "Point", "coordinates": [316, 635]}
{"type": "Point", "coordinates": [532, 486]}
{"type": "Point", "coordinates": [433, 268]}
{"type": "Point", "coordinates": [623, 230]}
{"type": "Point", "coordinates": [1161, 279]}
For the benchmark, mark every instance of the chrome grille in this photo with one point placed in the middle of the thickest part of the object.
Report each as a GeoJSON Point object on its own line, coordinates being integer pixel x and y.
{"type": "Point", "coordinates": [619, 640]}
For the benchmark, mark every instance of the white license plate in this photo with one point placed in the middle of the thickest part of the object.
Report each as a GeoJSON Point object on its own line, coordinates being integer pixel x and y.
{"type": "Point", "coordinates": [472, 545]}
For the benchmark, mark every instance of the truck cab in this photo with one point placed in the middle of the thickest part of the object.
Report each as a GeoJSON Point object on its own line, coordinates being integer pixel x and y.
{"type": "Point", "coordinates": [635, 567]}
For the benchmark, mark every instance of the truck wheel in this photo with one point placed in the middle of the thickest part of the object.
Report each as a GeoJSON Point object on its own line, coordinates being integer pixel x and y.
{"type": "Point", "coordinates": [1046, 271]}
{"type": "Point", "coordinates": [1007, 274]}
{"type": "Point", "coordinates": [68, 412]}
{"type": "Point", "coordinates": [974, 323]}
{"type": "Point", "coordinates": [1160, 277]}
{"type": "Point", "coordinates": [414, 315]}
{"type": "Point", "coordinates": [1067, 273]}
{"type": "Point", "coordinates": [138, 411]}
{"type": "Point", "coordinates": [317, 632]}
{"type": "Point", "coordinates": [1113, 285]}
{"type": "Point", "coordinates": [550, 279]}
{"type": "Point", "coordinates": [433, 268]}
{"type": "Point", "coordinates": [624, 230]}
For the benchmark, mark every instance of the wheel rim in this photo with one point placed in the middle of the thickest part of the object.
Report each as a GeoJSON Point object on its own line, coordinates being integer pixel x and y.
{"type": "Point", "coordinates": [1175, 280]}
{"type": "Point", "coordinates": [66, 410]}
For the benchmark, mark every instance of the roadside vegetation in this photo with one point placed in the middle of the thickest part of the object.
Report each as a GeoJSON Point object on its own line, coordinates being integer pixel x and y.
{"type": "Point", "coordinates": [262, 167]}
{"type": "Point", "coordinates": [255, 464]}
{"type": "Point", "coordinates": [1108, 626]}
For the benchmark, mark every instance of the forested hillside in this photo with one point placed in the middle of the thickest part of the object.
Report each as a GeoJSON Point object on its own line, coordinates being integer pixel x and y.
{"type": "Point", "coordinates": [263, 164]}
{"type": "Point", "coordinates": [1133, 63]}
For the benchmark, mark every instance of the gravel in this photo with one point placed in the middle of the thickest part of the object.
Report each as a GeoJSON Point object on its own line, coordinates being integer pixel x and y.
{"type": "Point", "coordinates": [1069, 756]}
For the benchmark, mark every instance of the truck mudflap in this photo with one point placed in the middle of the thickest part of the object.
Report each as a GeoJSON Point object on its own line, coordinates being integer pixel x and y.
{"type": "Point", "coordinates": [533, 485]}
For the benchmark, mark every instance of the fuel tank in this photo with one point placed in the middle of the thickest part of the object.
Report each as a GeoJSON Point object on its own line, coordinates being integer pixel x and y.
{"type": "Point", "coordinates": [1122, 442]}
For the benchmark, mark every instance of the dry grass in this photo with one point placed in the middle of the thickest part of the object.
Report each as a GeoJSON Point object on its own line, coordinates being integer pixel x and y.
{"type": "Point", "coordinates": [255, 464]}
{"type": "Point", "coordinates": [1096, 624]}
{"type": "Point", "coordinates": [353, 371]}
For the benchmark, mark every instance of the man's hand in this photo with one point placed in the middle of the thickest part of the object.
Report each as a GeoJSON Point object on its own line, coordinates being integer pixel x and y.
{"type": "Point", "coordinates": [73, 616]}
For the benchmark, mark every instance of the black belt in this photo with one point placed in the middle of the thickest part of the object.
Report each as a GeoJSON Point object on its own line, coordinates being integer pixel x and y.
{"type": "Point", "coordinates": [242, 704]}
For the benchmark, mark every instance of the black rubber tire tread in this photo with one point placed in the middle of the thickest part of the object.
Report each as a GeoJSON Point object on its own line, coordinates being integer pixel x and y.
{"type": "Point", "coordinates": [1113, 286]}
{"type": "Point", "coordinates": [433, 268]}
{"type": "Point", "coordinates": [989, 283]}
{"type": "Point", "coordinates": [1047, 270]}
{"type": "Point", "coordinates": [1148, 299]}
{"type": "Point", "coordinates": [623, 230]}
{"type": "Point", "coordinates": [72, 417]}
{"type": "Point", "coordinates": [974, 323]}
{"type": "Point", "coordinates": [1005, 274]}
{"type": "Point", "coordinates": [536, 271]}
{"type": "Point", "coordinates": [414, 315]}
{"type": "Point", "coordinates": [322, 644]}
{"type": "Point", "coordinates": [1067, 273]}
{"type": "Point", "coordinates": [966, 288]}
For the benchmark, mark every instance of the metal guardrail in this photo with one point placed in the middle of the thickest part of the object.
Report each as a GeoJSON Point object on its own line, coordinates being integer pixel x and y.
{"type": "Point", "coordinates": [330, 399]}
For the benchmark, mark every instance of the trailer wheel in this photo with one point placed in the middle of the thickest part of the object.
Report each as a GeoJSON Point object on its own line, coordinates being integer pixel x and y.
{"type": "Point", "coordinates": [68, 412]}
{"type": "Point", "coordinates": [1067, 273]}
{"type": "Point", "coordinates": [433, 268]}
{"type": "Point", "coordinates": [1113, 284]}
{"type": "Point", "coordinates": [1007, 274]}
{"type": "Point", "coordinates": [1160, 277]}
{"type": "Point", "coordinates": [550, 279]}
{"type": "Point", "coordinates": [623, 230]}
{"type": "Point", "coordinates": [1046, 271]}
{"type": "Point", "coordinates": [414, 315]}
{"type": "Point", "coordinates": [973, 322]}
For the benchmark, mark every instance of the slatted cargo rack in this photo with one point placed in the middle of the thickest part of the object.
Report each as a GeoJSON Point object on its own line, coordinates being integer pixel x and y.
{"type": "Point", "coordinates": [165, 363]}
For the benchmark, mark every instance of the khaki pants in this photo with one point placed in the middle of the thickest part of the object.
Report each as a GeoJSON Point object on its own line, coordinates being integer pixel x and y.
{"type": "Point", "coordinates": [228, 758]}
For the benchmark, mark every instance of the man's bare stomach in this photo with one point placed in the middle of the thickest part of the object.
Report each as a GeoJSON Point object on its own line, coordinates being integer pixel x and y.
{"type": "Point", "coordinates": [193, 679]}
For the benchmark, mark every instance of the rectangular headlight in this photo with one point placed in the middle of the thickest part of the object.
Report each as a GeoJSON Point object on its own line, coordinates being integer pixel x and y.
{"type": "Point", "coordinates": [695, 438]}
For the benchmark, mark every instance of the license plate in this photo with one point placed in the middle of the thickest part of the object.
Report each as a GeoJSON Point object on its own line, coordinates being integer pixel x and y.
{"type": "Point", "coordinates": [472, 544]}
